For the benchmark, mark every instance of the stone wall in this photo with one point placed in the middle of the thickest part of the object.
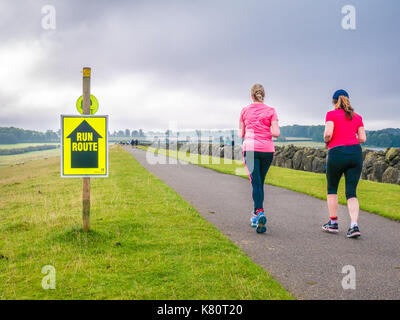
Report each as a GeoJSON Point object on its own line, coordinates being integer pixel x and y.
{"type": "Point", "coordinates": [380, 166]}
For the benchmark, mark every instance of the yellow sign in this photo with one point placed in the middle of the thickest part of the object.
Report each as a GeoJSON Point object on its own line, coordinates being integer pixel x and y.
{"type": "Point", "coordinates": [84, 146]}
{"type": "Point", "coordinates": [94, 104]}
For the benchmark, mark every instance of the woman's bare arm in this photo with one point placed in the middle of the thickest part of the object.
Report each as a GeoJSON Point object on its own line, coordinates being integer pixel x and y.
{"type": "Point", "coordinates": [361, 135]}
{"type": "Point", "coordinates": [242, 129]}
{"type": "Point", "coordinates": [276, 132]}
{"type": "Point", "coordinates": [328, 131]}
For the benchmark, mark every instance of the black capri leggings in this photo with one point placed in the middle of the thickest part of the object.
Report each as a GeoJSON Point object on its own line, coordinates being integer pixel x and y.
{"type": "Point", "coordinates": [347, 160]}
{"type": "Point", "coordinates": [257, 165]}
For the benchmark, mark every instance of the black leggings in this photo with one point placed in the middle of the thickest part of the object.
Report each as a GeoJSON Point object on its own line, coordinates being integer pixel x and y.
{"type": "Point", "coordinates": [257, 164]}
{"type": "Point", "coordinates": [347, 160]}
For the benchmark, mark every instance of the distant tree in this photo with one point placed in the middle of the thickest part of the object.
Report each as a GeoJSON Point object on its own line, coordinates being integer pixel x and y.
{"type": "Point", "coordinates": [50, 135]}
{"type": "Point", "coordinates": [7, 138]}
{"type": "Point", "coordinates": [384, 139]}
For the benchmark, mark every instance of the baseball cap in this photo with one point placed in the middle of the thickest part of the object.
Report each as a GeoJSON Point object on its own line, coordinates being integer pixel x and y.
{"type": "Point", "coordinates": [339, 93]}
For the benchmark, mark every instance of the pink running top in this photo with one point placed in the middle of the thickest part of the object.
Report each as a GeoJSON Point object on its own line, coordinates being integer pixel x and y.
{"type": "Point", "coordinates": [344, 130]}
{"type": "Point", "coordinates": [256, 119]}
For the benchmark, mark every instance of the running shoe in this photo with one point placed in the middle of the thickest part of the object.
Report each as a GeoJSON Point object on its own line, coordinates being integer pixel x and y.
{"type": "Point", "coordinates": [331, 227]}
{"type": "Point", "coordinates": [353, 232]}
{"type": "Point", "coordinates": [261, 222]}
{"type": "Point", "coordinates": [253, 220]}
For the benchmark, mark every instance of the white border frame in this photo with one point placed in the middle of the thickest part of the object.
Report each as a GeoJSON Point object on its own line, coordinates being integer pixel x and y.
{"type": "Point", "coordinates": [62, 147]}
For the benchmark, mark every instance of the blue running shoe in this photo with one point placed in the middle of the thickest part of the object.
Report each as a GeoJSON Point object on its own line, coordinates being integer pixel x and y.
{"type": "Point", "coordinates": [253, 220]}
{"type": "Point", "coordinates": [261, 222]}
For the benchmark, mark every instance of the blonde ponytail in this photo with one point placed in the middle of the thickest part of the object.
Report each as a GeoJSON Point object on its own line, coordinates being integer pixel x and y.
{"type": "Point", "coordinates": [343, 102]}
{"type": "Point", "coordinates": [258, 92]}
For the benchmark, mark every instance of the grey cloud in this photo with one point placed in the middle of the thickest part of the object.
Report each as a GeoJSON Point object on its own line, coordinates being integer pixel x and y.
{"type": "Point", "coordinates": [297, 49]}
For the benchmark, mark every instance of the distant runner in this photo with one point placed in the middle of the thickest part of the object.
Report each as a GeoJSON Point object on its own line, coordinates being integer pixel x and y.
{"type": "Point", "coordinates": [258, 124]}
{"type": "Point", "coordinates": [344, 131]}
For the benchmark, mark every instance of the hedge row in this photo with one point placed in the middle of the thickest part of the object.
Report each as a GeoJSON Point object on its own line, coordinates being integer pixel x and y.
{"type": "Point", "coordinates": [7, 152]}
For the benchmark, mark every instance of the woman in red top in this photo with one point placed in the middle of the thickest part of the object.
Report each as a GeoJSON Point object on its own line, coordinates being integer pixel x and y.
{"type": "Point", "coordinates": [344, 131]}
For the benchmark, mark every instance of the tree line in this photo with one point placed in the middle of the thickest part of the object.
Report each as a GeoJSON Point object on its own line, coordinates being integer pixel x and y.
{"type": "Point", "coordinates": [381, 138]}
{"type": "Point", "coordinates": [11, 135]}
{"type": "Point", "coordinates": [316, 133]}
{"type": "Point", "coordinates": [384, 138]}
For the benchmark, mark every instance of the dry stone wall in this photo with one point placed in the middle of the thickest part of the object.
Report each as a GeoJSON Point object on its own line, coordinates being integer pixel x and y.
{"type": "Point", "coordinates": [380, 166]}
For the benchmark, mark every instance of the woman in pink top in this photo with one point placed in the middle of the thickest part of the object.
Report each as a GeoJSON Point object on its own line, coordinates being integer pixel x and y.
{"type": "Point", "coordinates": [257, 125]}
{"type": "Point", "coordinates": [344, 131]}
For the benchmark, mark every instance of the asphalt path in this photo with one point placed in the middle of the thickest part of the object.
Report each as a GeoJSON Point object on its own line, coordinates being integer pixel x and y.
{"type": "Point", "coordinates": [308, 262]}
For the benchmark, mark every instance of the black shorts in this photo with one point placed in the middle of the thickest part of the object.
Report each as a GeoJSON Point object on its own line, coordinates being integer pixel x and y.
{"type": "Point", "coordinates": [345, 160]}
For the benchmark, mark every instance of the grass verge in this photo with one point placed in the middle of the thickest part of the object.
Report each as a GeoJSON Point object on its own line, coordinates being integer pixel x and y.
{"type": "Point", "coordinates": [146, 241]}
{"type": "Point", "coordinates": [22, 158]}
{"type": "Point", "coordinates": [379, 198]}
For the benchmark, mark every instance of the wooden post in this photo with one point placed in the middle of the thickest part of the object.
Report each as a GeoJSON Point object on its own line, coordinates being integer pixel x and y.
{"type": "Point", "coordinates": [86, 181]}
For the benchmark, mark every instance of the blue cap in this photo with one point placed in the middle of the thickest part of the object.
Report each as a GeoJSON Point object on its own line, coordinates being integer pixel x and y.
{"type": "Point", "coordinates": [339, 93]}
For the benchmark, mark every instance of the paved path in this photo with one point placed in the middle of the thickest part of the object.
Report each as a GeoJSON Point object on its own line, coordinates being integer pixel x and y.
{"type": "Point", "coordinates": [305, 260]}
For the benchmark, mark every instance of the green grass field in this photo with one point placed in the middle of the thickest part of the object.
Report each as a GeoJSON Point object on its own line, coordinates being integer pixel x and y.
{"type": "Point", "coordinates": [17, 159]}
{"type": "Point", "coordinates": [380, 198]}
{"type": "Point", "coordinates": [146, 241]}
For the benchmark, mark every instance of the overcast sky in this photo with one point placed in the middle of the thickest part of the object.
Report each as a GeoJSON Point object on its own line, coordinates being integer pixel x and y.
{"type": "Point", "coordinates": [193, 62]}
